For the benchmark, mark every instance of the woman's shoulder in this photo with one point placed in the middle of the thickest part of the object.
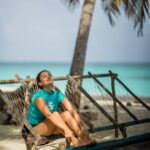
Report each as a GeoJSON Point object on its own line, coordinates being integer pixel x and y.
{"type": "Point", "coordinates": [37, 94]}
{"type": "Point", "coordinates": [57, 91]}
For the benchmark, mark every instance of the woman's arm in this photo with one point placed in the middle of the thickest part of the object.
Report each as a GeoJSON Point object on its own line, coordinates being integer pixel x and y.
{"type": "Point", "coordinates": [40, 103]}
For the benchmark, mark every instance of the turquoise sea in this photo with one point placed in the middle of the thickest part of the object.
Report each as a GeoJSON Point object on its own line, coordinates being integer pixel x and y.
{"type": "Point", "coordinates": [136, 76]}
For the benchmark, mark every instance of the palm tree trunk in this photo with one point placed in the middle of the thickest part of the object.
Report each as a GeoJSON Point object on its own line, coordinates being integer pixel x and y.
{"type": "Point", "coordinates": [78, 61]}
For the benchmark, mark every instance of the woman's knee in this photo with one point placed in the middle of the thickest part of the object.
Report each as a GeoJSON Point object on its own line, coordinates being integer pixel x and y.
{"type": "Point", "coordinates": [66, 115]}
{"type": "Point", "coordinates": [56, 113]}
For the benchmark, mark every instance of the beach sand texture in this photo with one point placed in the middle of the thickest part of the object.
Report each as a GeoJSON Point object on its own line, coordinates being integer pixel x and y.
{"type": "Point", "coordinates": [11, 139]}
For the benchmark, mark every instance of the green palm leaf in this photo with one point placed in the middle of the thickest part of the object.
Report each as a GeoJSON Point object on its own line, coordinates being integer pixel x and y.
{"type": "Point", "coordinates": [137, 10]}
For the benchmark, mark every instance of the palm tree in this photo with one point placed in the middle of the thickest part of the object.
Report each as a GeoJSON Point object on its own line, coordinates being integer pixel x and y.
{"type": "Point", "coordinates": [78, 61]}
{"type": "Point", "coordinates": [134, 9]}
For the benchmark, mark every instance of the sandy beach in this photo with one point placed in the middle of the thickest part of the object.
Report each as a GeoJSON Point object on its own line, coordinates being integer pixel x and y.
{"type": "Point", "coordinates": [11, 139]}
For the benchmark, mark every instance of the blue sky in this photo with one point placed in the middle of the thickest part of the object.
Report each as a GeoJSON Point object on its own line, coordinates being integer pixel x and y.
{"type": "Point", "coordinates": [46, 31]}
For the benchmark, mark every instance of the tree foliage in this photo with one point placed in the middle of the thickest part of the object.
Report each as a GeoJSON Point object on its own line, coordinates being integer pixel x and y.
{"type": "Point", "coordinates": [136, 10]}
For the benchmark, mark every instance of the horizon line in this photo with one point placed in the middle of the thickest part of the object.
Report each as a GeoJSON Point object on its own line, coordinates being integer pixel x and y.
{"type": "Point", "coordinates": [66, 62]}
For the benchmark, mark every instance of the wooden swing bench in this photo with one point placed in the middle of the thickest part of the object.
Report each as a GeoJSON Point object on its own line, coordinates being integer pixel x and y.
{"type": "Point", "coordinates": [18, 101]}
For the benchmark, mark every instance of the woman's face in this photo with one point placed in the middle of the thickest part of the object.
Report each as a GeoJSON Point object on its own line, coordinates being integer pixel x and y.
{"type": "Point", "coordinates": [45, 79]}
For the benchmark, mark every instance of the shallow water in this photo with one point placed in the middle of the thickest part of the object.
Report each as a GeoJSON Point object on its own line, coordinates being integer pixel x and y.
{"type": "Point", "coordinates": [136, 76]}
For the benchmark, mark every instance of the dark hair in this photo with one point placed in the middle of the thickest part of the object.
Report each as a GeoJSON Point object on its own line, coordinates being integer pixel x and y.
{"type": "Point", "coordinates": [38, 77]}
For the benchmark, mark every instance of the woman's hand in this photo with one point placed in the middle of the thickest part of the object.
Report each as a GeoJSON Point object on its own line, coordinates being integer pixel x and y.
{"type": "Point", "coordinates": [68, 134]}
{"type": "Point", "coordinates": [71, 137]}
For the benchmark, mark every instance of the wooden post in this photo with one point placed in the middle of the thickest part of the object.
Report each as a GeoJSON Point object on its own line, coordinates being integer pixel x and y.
{"type": "Point", "coordinates": [125, 108]}
{"type": "Point", "coordinates": [56, 78]}
{"type": "Point", "coordinates": [137, 98]}
{"type": "Point", "coordinates": [114, 103]}
{"type": "Point", "coordinates": [124, 131]}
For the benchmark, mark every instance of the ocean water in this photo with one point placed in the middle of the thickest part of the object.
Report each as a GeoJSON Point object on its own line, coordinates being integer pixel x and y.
{"type": "Point", "coordinates": [135, 76]}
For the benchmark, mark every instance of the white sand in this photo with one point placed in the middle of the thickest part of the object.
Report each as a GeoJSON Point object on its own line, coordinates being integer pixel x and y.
{"type": "Point", "coordinates": [11, 139]}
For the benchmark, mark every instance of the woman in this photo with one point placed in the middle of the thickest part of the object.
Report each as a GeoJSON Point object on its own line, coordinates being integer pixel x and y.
{"type": "Point", "coordinates": [45, 117]}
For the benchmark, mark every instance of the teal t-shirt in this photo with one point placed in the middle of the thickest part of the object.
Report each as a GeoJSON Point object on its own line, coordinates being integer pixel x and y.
{"type": "Point", "coordinates": [52, 100]}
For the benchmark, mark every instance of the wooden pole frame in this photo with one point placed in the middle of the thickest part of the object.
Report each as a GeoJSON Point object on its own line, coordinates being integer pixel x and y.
{"type": "Point", "coordinates": [114, 103]}
{"type": "Point", "coordinates": [126, 109]}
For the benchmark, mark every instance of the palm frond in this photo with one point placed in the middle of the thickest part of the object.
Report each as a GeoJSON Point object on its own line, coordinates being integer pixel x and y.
{"type": "Point", "coordinates": [137, 10]}
{"type": "Point", "coordinates": [71, 4]}
{"type": "Point", "coordinates": [111, 9]}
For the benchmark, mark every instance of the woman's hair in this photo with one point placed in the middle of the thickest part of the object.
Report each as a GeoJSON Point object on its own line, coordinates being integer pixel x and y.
{"type": "Point", "coordinates": [38, 77]}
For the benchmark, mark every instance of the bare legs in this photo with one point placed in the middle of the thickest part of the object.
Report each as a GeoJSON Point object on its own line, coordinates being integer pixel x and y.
{"type": "Point", "coordinates": [78, 129]}
{"type": "Point", "coordinates": [47, 127]}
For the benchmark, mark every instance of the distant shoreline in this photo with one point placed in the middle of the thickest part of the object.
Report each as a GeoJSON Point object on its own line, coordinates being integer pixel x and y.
{"type": "Point", "coordinates": [87, 63]}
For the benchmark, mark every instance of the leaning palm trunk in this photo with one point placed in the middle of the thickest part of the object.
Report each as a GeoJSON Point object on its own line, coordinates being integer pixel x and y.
{"type": "Point", "coordinates": [77, 66]}
{"type": "Point", "coordinates": [78, 61]}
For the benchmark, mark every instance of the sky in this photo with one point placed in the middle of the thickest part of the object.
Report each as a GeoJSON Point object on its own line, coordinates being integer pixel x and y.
{"type": "Point", "coordinates": [46, 31]}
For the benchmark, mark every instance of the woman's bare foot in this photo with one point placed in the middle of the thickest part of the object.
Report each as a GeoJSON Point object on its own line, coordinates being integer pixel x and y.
{"type": "Point", "coordinates": [87, 141]}
{"type": "Point", "coordinates": [92, 141]}
{"type": "Point", "coordinates": [84, 137]}
{"type": "Point", "coordinates": [75, 141]}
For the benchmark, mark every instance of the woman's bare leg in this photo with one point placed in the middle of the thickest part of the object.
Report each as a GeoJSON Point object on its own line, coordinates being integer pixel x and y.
{"type": "Point", "coordinates": [78, 128]}
{"type": "Point", "coordinates": [73, 139]}
{"type": "Point", "coordinates": [47, 127]}
{"type": "Point", "coordinates": [71, 122]}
